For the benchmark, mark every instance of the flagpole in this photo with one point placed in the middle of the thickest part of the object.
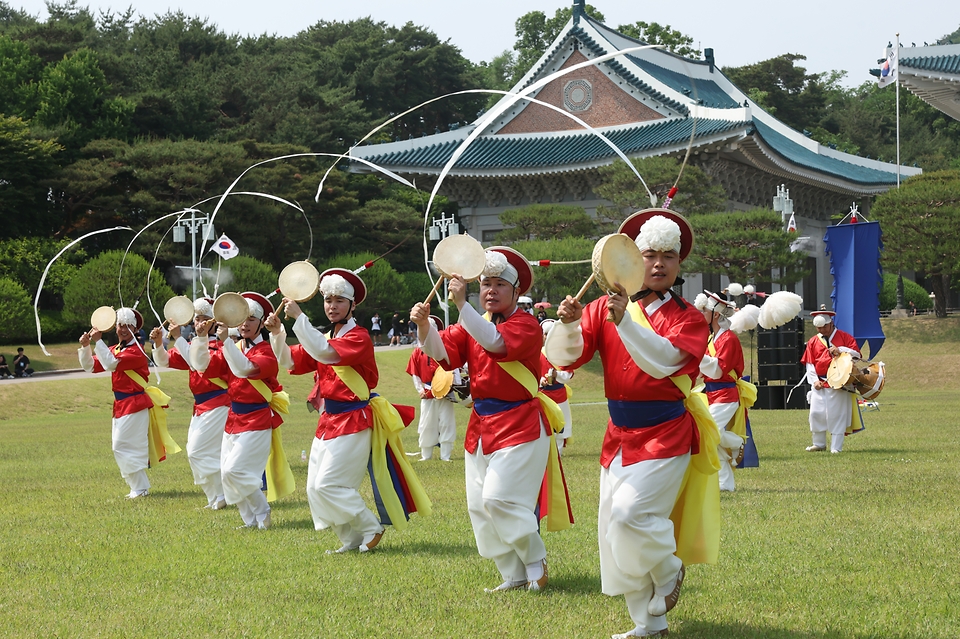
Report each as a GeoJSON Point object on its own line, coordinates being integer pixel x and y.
{"type": "Point", "coordinates": [895, 81]}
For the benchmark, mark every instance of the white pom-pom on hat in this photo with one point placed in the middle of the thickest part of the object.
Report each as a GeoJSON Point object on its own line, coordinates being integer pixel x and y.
{"type": "Point", "coordinates": [659, 234]}
{"type": "Point", "coordinates": [700, 302]}
{"type": "Point", "coordinates": [749, 289]}
{"type": "Point", "coordinates": [547, 325]}
{"type": "Point", "coordinates": [746, 319]}
{"type": "Point", "coordinates": [735, 289]}
{"type": "Point", "coordinates": [498, 265]}
{"type": "Point", "coordinates": [203, 306]}
{"type": "Point", "coordinates": [779, 308]}
{"type": "Point", "coordinates": [821, 320]}
{"type": "Point", "coordinates": [255, 309]}
{"type": "Point", "coordinates": [126, 317]}
{"type": "Point", "coordinates": [336, 284]}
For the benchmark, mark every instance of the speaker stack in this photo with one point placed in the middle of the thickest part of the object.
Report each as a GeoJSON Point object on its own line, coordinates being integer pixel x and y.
{"type": "Point", "coordinates": [778, 367]}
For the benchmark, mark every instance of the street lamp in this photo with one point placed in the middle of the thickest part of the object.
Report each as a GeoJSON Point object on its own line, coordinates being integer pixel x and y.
{"type": "Point", "coordinates": [442, 227]}
{"type": "Point", "coordinates": [193, 224]}
{"type": "Point", "coordinates": [783, 204]}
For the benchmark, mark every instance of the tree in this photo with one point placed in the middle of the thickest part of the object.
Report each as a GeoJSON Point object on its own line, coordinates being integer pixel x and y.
{"type": "Point", "coordinates": [546, 222]}
{"type": "Point", "coordinates": [25, 164]}
{"type": "Point", "coordinates": [15, 309]}
{"type": "Point", "coordinates": [912, 292]}
{"type": "Point", "coordinates": [798, 98]}
{"type": "Point", "coordinates": [24, 259]}
{"type": "Point", "coordinates": [697, 192]}
{"type": "Point", "coordinates": [535, 32]}
{"type": "Point", "coordinates": [238, 274]}
{"type": "Point", "coordinates": [921, 224]}
{"type": "Point", "coordinates": [653, 33]}
{"type": "Point", "coordinates": [555, 282]}
{"type": "Point", "coordinates": [96, 284]}
{"type": "Point", "coordinates": [19, 71]}
{"type": "Point", "coordinates": [745, 247]}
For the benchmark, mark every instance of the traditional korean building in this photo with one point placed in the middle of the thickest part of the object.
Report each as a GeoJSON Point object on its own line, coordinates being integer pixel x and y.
{"type": "Point", "coordinates": [933, 74]}
{"type": "Point", "coordinates": [647, 102]}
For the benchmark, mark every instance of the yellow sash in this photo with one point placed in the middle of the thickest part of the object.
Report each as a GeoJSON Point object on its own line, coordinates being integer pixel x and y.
{"type": "Point", "coordinates": [696, 513]}
{"type": "Point", "coordinates": [280, 480]}
{"type": "Point", "coordinates": [558, 508]}
{"type": "Point", "coordinates": [387, 426]}
{"type": "Point", "coordinates": [748, 396]}
{"type": "Point", "coordinates": [159, 439]}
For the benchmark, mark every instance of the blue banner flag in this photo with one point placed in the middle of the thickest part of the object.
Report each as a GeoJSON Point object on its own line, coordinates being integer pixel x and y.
{"type": "Point", "coordinates": [854, 251]}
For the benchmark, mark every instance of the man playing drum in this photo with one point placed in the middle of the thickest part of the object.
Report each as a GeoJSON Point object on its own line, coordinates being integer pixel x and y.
{"type": "Point", "coordinates": [831, 410]}
{"type": "Point", "coordinates": [507, 442]}
{"type": "Point", "coordinates": [722, 367]}
{"type": "Point", "coordinates": [250, 369]}
{"type": "Point", "coordinates": [345, 369]}
{"type": "Point", "coordinates": [132, 405]}
{"type": "Point", "coordinates": [651, 343]}
{"type": "Point", "coordinates": [211, 402]}
{"type": "Point", "coordinates": [438, 422]}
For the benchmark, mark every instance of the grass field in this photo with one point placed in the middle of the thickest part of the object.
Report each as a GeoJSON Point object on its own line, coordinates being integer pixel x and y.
{"type": "Point", "coordinates": [862, 544]}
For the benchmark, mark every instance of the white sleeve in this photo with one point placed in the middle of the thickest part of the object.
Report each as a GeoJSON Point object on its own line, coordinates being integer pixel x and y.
{"type": "Point", "coordinates": [457, 379]}
{"type": "Point", "coordinates": [563, 376]}
{"type": "Point", "coordinates": [564, 343]}
{"type": "Point", "coordinates": [160, 357]}
{"type": "Point", "coordinates": [105, 355]}
{"type": "Point", "coordinates": [418, 384]}
{"type": "Point", "coordinates": [844, 349]}
{"type": "Point", "coordinates": [710, 367]}
{"type": "Point", "coordinates": [314, 342]}
{"type": "Point", "coordinates": [184, 349]}
{"type": "Point", "coordinates": [85, 353]}
{"type": "Point", "coordinates": [278, 341]}
{"type": "Point", "coordinates": [200, 354]}
{"type": "Point", "coordinates": [433, 346]}
{"type": "Point", "coordinates": [811, 374]}
{"type": "Point", "coordinates": [484, 332]}
{"type": "Point", "coordinates": [237, 361]}
{"type": "Point", "coordinates": [656, 356]}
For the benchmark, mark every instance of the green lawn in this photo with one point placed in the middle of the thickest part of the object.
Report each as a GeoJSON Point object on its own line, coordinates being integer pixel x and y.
{"type": "Point", "coordinates": [862, 544]}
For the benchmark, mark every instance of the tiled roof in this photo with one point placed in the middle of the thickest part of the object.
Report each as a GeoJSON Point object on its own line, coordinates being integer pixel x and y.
{"type": "Point", "coordinates": [707, 92]}
{"type": "Point", "coordinates": [804, 157]}
{"type": "Point", "coordinates": [942, 63]}
{"type": "Point", "coordinates": [534, 152]}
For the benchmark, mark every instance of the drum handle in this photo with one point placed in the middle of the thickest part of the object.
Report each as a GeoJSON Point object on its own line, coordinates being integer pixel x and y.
{"type": "Point", "coordinates": [585, 286]}
{"type": "Point", "coordinates": [434, 291]}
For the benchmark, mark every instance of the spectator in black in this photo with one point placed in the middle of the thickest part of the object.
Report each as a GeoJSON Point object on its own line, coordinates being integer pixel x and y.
{"type": "Point", "coordinates": [397, 330]}
{"type": "Point", "coordinates": [21, 365]}
{"type": "Point", "coordinates": [4, 368]}
{"type": "Point", "coordinates": [913, 308]}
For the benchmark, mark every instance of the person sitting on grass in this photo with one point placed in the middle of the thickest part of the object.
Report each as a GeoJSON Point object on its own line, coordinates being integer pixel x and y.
{"type": "Point", "coordinates": [4, 368]}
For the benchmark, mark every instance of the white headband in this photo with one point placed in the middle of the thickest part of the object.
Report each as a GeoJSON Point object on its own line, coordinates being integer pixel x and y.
{"type": "Point", "coordinates": [202, 307]}
{"type": "Point", "coordinates": [255, 309]}
{"type": "Point", "coordinates": [126, 317]}
{"type": "Point", "coordinates": [498, 266]}
{"type": "Point", "coordinates": [336, 284]}
{"type": "Point", "coordinates": [659, 233]}
{"type": "Point", "coordinates": [821, 320]}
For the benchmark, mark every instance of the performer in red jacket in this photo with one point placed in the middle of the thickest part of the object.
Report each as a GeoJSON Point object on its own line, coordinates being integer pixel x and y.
{"type": "Point", "coordinates": [651, 343]}
{"type": "Point", "coordinates": [438, 422]}
{"type": "Point", "coordinates": [831, 410]}
{"type": "Point", "coordinates": [507, 443]}
{"type": "Point", "coordinates": [250, 369]}
{"type": "Point", "coordinates": [211, 402]}
{"type": "Point", "coordinates": [128, 365]}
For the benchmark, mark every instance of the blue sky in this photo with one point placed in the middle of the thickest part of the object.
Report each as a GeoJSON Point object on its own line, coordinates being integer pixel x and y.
{"type": "Point", "coordinates": [847, 35]}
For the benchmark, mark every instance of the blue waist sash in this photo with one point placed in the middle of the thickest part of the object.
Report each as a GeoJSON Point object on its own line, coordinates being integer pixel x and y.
{"type": "Point", "coordinates": [117, 395]}
{"type": "Point", "coordinates": [239, 408]}
{"type": "Point", "coordinates": [206, 397]}
{"type": "Point", "coordinates": [493, 406]}
{"type": "Point", "coordinates": [715, 386]}
{"type": "Point", "coordinates": [335, 407]}
{"type": "Point", "coordinates": [643, 414]}
{"type": "Point", "coordinates": [552, 387]}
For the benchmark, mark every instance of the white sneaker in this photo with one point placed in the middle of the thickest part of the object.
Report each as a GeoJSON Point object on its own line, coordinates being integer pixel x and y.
{"type": "Point", "coordinates": [342, 549]}
{"type": "Point", "coordinates": [507, 585]}
{"type": "Point", "coordinates": [220, 504]}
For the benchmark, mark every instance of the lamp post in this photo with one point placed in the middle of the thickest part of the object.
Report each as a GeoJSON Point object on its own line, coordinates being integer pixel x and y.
{"type": "Point", "coordinates": [442, 227]}
{"type": "Point", "coordinates": [783, 204]}
{"type": "Point", "coordinates": [193, 224]}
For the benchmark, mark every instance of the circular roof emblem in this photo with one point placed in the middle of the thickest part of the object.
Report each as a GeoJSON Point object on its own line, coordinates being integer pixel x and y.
{"type": "Point", "coordinates": [577, 95]}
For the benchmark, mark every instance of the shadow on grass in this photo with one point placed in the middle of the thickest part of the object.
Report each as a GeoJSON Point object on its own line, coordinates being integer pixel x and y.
{"type": "Point", "coordinates": [574, 583]}
{"type": "Point", "coordinates": [704, 630]}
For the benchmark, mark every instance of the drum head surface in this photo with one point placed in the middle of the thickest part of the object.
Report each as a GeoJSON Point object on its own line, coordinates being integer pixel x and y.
{"type": "Point", "coordinates": [617, 259]}
{"type": "Point", "coordinates": [103, 319]}
{"type": "Point", "coordinates": [840, 371]}
{"type": "Point", "coordinates": [179, 310]}
{"type": "Point", "coordinates": [299, 281]}
{"type": "Point", "coordinates": [231, 309]}
{"type": "Point", "coordinates": [442, 383]}
{"type": "Point", "coordinates": [460, 254]}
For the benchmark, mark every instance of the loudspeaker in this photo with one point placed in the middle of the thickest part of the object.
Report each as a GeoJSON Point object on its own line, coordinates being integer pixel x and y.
{"type": "Point", "coordinates": [769, 398]}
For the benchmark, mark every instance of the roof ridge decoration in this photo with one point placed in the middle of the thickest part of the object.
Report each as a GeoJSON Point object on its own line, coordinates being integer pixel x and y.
{"type": "Point", "coordinates": [944, 63]}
